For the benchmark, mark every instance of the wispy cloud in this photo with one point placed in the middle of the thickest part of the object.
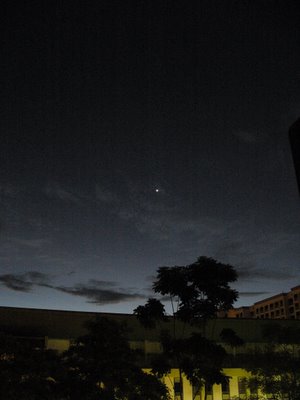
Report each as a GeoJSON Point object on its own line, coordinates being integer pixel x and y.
{"type": "Point", "coordinates": [10, 190]}
{"type": "Point", "coordinates": [24, 282]}
{"type": "Point", "coordinates": [32, 243]}
{"type": "Point", "coordinates": [253, 294]}
{"type": "Point", "coordinates": [97, 292]}
{"type": "Point", "coordinates": [94, 291]}
{"type": "Point", "coordinates": [238, 242]}
{"type": "Point", "coordinates": [105, 195]}
{"type": "Point", "coordinates": [17, 283]}
{"type": "Point", "coordinates": [56, 191]}
{"type": "Point", "coordinates": [253, 252]}
{"type": "Point", "coordinates": [147, 210]}
{"type": "Point", "coordinates": [253, 273]}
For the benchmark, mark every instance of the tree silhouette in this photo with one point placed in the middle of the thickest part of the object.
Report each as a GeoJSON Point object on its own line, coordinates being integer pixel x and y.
{"type": "Point", "coordinates": [101, 365]}
{"type": "Point", "coordinates": [98, 366]}
{"type": "Point", "coordinates": [275, 367]}
{"type": "Point", "coordinates": [29, 370]}
{"type": "Point", "coordinates": [196, 293]}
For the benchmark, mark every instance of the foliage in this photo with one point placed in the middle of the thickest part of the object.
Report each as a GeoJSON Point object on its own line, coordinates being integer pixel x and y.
{"type": "Point", "coordinates": [101, 365]}
{"type": "Point", "coordinates": [150, 313]}
{"type": "Point", "coordinates": [200, 289]}
{"type": "Point", "coordinates": [201, 359]}
{"type": "Point", "coordinates": [275, 367]}
{"type": "Point", "coordinates": [196, 292]}
{"type": "Point", "coordinates": [29, 370]}
{"type": "Point", "coordinates": [230, 337]}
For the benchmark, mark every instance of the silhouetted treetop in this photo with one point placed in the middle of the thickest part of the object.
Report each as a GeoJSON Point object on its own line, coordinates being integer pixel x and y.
{"type": "Point", "coordinates": [201, 289]}
{"type": "Point", "coordinates": [196, 292]}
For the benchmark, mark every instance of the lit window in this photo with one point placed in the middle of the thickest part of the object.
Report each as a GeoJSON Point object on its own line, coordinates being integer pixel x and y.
{"type": "Point", "coordinates": [177, 388]}
{"type": "Point", "coordinates": [242, 387]}
{"type": "Point", "coordinates": [225, 391]}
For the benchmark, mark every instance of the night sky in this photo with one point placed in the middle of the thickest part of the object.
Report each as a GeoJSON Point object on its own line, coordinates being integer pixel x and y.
{"type": "Point", "coordinates": [137, 134]}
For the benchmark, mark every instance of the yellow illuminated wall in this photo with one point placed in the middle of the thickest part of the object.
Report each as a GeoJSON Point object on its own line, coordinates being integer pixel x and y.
{"type": "Point", "coordinates": [235, 375]}
{"type": "Point", "coordinates": [150, 347]}
{"type": "Point", "coordinates": [57, 329]}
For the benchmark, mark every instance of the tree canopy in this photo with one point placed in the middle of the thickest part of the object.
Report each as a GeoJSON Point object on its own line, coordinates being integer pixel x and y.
{"type": "Point", "coordinates": [25, 368]}
{"type": "Point", "coordinates": [196, 292]}
{"type": "Point", "coordinates": [101, 365]}
{"type": "Point", "coordinates": [98, 366]}
{"type": "Point", "coordinates": [275, 367]}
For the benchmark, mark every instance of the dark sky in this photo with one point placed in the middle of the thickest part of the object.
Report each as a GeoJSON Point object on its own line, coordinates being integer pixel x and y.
{"type": "Point", "coordinates": [136, 134]}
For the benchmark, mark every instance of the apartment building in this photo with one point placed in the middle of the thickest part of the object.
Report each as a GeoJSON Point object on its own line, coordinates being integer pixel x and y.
{"type": "Point", "coordinates": [280, 306]}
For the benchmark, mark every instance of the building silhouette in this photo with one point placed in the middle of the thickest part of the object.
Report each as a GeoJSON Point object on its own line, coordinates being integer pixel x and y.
{"type": "Point", "coordinates": [54, 329]}
{"type": "Point", "coordinates": [280, 306]}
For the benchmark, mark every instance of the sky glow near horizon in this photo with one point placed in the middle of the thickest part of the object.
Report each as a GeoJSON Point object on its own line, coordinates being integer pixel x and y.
{"type": "Point", "coordinates": [136, 135]}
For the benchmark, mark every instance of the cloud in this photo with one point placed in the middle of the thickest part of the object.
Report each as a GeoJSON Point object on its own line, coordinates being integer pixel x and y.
{"type": "Point", "coordinates": [32, 243]}
{"type": "Point", "coordinates": [95, 291]}
{"type": "Point", "coordinates": [157, 215]}
{"type": "Point", "coordinates": [37, 277]}
{"type": "Point", "coordinates": [98, 292]}
{"type": "Point", "coordinates": [15, 282]}
{"type": "Point", "coordinates": [9, 190]}
{"type": "Point", "coordinates": [105, 195]}
{"type": "Point", "coordinates": [24, 282]}
{"type": "Point", "coordinates": [55, 191]}
{"type": "Point", "coordinates": [100, 283]}
{"type": "Point", "coordinates": [252, 252]}
{"type": "Point", "coordinates": [253, 294]}
{"type": "Point", "coordinates": [259, 273]}
{"type": "Point", "coordinates": [160, 217]}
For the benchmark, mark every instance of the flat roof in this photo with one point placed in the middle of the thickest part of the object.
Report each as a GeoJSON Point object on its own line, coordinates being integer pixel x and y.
{"type": "Point", "coordinates": [62, 324]}
{"type": "Point", "coordinates": [271, 298]}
